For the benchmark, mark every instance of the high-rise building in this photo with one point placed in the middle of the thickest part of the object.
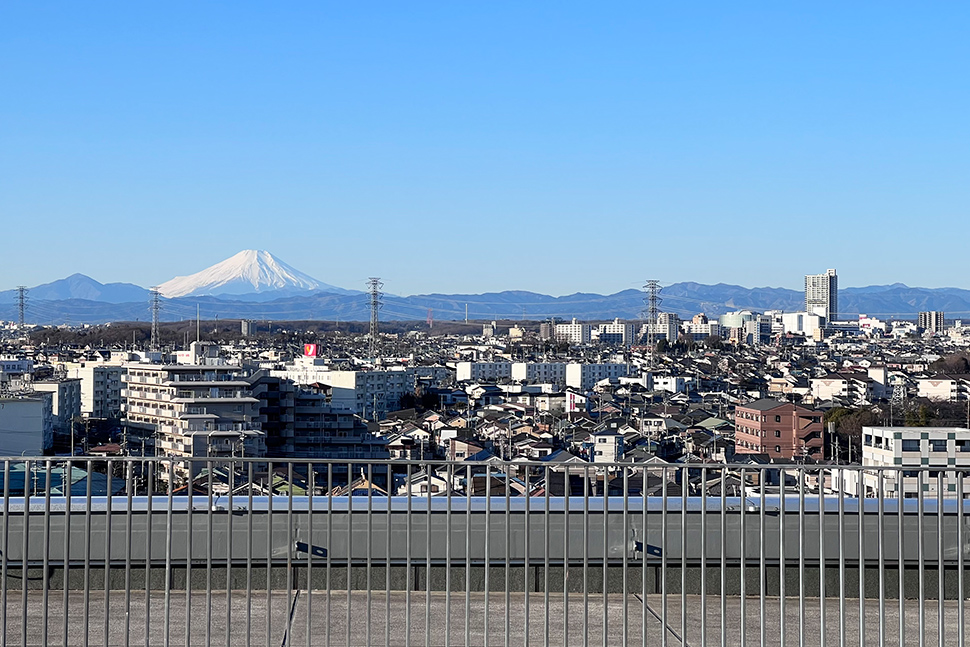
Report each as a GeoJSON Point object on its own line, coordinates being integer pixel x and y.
{"type": "Point", "coordinates": [931, 321]}
{"type": "Point", "coordinates": [822, 295]}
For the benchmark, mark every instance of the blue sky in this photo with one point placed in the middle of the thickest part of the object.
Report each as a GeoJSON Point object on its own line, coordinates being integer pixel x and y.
{"type": "Point", "coordinates": [458, 147]}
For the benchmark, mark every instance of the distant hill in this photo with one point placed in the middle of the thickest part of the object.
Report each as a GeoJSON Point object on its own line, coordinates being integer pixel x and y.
{"type": "Point", "coordinates": [684, 299]}
{"type": "Point", "coordinates": [79, 286]}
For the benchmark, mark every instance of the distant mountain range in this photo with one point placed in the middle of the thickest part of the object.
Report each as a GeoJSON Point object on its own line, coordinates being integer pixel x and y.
{"type": "Point", "coordinates": [256, 285]}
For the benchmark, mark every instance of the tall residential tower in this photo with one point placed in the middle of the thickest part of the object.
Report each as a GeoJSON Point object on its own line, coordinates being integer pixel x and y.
{"type": "Point", "coordinates": [822, 294]}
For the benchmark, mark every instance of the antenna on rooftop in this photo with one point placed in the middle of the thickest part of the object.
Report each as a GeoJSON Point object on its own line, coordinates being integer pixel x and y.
{"type": "Point", "coordinates": [374, 286]}
{"type": "Point", "coordinates": [21, 304]}
{"type": "Point", "coordinates": [156, 306]}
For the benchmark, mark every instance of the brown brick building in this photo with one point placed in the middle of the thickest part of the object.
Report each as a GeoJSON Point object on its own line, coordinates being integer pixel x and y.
{"type": "Point", "coordinates": [778, 430]}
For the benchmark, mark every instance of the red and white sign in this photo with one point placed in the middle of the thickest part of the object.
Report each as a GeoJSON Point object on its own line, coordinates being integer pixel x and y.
{"type": "Point", "coordinates": [310, 350]}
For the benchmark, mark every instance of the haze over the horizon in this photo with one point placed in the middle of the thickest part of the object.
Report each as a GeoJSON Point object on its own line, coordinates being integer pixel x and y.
{"type": "Point", "coordinates": [472, 148]}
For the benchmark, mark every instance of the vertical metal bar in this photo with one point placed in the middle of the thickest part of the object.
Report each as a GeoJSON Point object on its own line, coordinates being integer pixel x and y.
{"type": "Point", "coordinates": [567, 492]}
{"type": "Point", "coordinates": [311, 550]}
{"type": "Point", "coordinates": [801, 557]}
{"type": "Point", "coordinates": [270, 492]}
{"type": "Point", "coordinates": [4, 550]}
{"type": "Point", "coordinates": [130, 473]}
{"type": "Point", "coordinates": [350, 545]}
{"type": "Point", "coordinates": [626, 555]}
{"type": "Point", "coordinates": [148, 547]}
{"type": "Point", "coordinates": [744, 557]}
{"type": "Point", "coordinates": [684, 484]}
{"type": "Point", "coordinates": [468, 553]}
{"type": "Point", "coordinates": [763, 557]}
{"type": "Point", "coordinates": [606, 555]}
{"type": "Point", "coordinates": [249, 554]}
{"type": "Point", "coordinates": [409, 484]}
{"type": "Point", "coordinates": [922, 559]}
{"type": "Point", "coordinates": [66, 483]}
{"type": "Point", "coordinates": [488, 555]}
{"type": "Point", "coordinates": [189, 467]}
{"type": "Point", "coordinates": [387, 560]}
{"type": "Point", "coordinates": [881, 538]}
{"type": "Point", "coordinates": [47, 551]}
{"type": "Point", "coordinates": [88, 491]}
{"type": "Point", "coordinates": [169, 521]}
{"type": "Point", "coordinates": [528, 557]}
{"type": "Point", "coordinates": [29, 473]}
{"type": "Point", "coordinates": [427, 558]}
{"type": "Point", "coordinates": [370, 550]}
{"type": "Point", "coordinates": [644, 555]}
{"type": "Point", "coordinates": [289, 553]}
{"type": "Point", "coordinates": [703, 582]}
{"type": "Point", "coordinates": [961, 592]}
{"type": "Point", "coordinates": [900, 534]}
{"type": "Point", "coordinates": [508, 557]}
{"type": "Point", "coordinates": [940, 570]}
{"type": "Point", "coordinates": [860, 500]}
{"type": "Point", "coordinates": [821, 556]}
{"type": "Point", "coordinates": [450, 475]}
{"type": "Point", "coordinates": [586, 556]}
{"type": "Point", "coordinates": [329, 550]}
{"type": "Point", "coordinates": [723, 542]}
{"type": "Point", "coordinates": [782, 555]}
{"type": "Point", "coordinates": [664, 557]}
{"type": "Point", "coordinates": [547, 548]}
{"type": "Point", "coordinates": [208, 554]}
{"type": "Point", "coordinates": [107, 555]}
{"type": "Point", "coordinates": [842, 546]}
{"type": "Point", "coordinates": [229, 561]}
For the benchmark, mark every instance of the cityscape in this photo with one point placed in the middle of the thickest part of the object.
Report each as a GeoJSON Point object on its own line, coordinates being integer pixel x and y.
{"type": "Point", "coordinates": [353, 324]}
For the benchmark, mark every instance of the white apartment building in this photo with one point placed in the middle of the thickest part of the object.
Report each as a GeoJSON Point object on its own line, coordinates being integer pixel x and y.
{"type": "Point", "coordinates": [855, 388]}
{"type": "Point", "coordinates": [701, 331]}
{"type": "Point", "coordinates": [928, 452]}
{"type": "Point", "coordinates": [803, 323]}
{"type": "Point", "coordinates": [65, 403]}
{"type": "Point", "coordinates": [543, 372]}
{"type": "Point", "coordinates": [483, 371]}
{"type": "Point", "coordinates": [667, 327]}
{"type": "Point", "coordinates": [193, 410]}
{"type": "Point", "coordinates": [100, 388]}
{"type": "Point", "coordinates": [574, 332]}
{"type": "Point", "coordinates": [931, 321]}
{"type": "Point", "coordinates": [617, 333]}
{"type": "Point", "coordinates": [944, 388]}
{"type": "Point", "coordinates": [585, 376]}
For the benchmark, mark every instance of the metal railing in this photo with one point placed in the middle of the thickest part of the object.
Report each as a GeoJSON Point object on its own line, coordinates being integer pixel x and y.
{"type": "Point", "coordinates": [264, 552]}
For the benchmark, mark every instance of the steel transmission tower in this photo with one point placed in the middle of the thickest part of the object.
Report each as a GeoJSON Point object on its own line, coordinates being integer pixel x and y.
{"type": "Point", "coordinates": [652, 301]}
{"type": "Point", "coordinates": [21, 304]}
{"type": "Point", "coordinates": [156, 306]}
{"type": "Point", "coordinates": [374, 286]}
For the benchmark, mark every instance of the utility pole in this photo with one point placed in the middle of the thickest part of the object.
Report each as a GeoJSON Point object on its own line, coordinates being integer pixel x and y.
{"type": "Point", "coordinates": [374, 286]}
{"type": "Point", "coordinates": [156, 306]}
{"type": "Point", "coordinates": [21, 304]}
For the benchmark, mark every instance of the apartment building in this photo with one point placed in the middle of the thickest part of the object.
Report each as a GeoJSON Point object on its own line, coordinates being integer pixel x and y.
{"type": "Point", "coordinates": [574, 332]}
{"type": "Point", "coordinates": [541, 372]}
{"type": "Point", "coordinates": [66, 401]}
{"type": "Point", "coordinates": [27, 422]}
{"type": "Point", "coordinates": [944, 388]}
{"type": "Point", "coordinates": [929, 453]}
{"type": "Point", "coordinates": [931, 321]}
{"type": "Point", "coordinates": [822, 295]}
{"type": "Point", "coordinates": [585, 376]}
{"type": "Point", "coordinates": [100, 388]}
{"type": "Point", "coordinates": [851, 387]}
{"type": "Point", "coordinates": [617, 333]}
{"type": "Point", "coordinates": [193, 410]}
{"type": "Point", "coordinates": [781, 430]}
{"type": "Point", "coordinates": [483, 371]}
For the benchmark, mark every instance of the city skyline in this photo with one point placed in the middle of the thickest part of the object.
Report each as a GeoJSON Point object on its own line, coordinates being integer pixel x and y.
{"type": "Point", "coordinates": [506, 146]}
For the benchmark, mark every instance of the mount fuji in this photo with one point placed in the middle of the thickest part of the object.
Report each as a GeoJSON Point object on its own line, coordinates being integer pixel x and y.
{"type": "Point", "coordinates": [250, 273]}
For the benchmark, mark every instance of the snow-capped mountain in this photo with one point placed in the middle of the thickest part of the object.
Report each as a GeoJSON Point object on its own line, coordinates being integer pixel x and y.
{"type": "Point", "coordinates": [249, 272]}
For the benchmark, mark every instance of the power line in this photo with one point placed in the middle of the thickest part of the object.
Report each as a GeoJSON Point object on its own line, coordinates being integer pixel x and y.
{"type": "Point", "coordinates": [21, 304]}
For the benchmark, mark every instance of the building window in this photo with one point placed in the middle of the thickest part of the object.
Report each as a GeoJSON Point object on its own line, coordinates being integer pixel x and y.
{"type": "Point", "coordinates": [937, 445]}
{"type": "Point", "coordinates": [910, 445]}
{"type": "Point", "coordinates": [963, 445]}
{"type": "Point", "coordinates": [777, 449]}
{"type": "Point", "coordinates": [777, 418]}
{"type": "Point", "coordinates": [777, 434]}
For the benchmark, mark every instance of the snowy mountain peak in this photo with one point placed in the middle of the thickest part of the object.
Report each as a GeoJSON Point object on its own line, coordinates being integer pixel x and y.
{"type": "Point", "coordinates": [249, 271]}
